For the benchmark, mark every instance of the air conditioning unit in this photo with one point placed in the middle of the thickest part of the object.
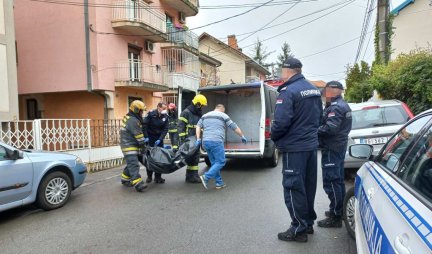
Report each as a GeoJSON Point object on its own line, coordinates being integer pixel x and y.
{"type": "Point", "coordinates": [149, 46]}
{"type": "Point", "coordinates": [182, 17]}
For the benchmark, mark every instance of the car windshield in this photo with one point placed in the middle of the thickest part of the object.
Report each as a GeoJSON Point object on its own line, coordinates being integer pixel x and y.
{"type": "Point", "coordinates": [378, 116]}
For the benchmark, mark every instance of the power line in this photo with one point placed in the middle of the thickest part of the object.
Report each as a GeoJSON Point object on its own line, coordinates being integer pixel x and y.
{"type": "Point", "coordinates": [292, 29]}
{"type": "Point", "coordinates": [331, 48]}
{"type": "Point", "coordinates": [205, 7]}
{"type": "Point", "coordinates": [268, 23]}
{"type": "Point", "coordinates": [365, 27]}
{"type": "Point", "coordinates": [294, 19]}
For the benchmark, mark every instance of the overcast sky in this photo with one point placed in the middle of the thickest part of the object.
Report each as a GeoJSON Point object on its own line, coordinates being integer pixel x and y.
{"type": "Point", "coordinates": [341, 26]}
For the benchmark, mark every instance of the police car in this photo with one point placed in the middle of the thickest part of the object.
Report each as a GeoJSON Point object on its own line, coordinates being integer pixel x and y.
{"type": "Point", "coordinates": [389, 209]}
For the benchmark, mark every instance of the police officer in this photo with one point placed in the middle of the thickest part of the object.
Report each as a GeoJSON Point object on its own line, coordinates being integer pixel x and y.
{"type": "Point", "coordinates": [294, 131]}
{"type": "Point", "coordinates": [186, 128]}
{"type": "Point", "coordinates": [172, 126]}
{"type": "Point", "coordinates": [156, 128]}
{"type": "Point", "coordinates": [132, 140]}
{"type": "Point", "coordinates": [333, 134]}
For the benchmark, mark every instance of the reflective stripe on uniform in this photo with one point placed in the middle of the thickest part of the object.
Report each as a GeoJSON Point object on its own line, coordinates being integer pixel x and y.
{"type": "Point", "coordinates": [130, 149]}
{"type": "Point", "coordinates": [125, 176]}
{"type": "Point", "coordinates": [172, 130]}
{"type": "Point", "coordinates": [183, 119]}
{"type": "Point", "coordinates": [191, 126]}
{"type": "Point", "coordinates": [136, 181]}
{"type": "Point", "coordinates": [130, 153]}
{"type": "Point", "coordinates": [175, 147]}
{"type": "Point", "coordinates": [182, 134]}
{"type": "Point", "coordinates": [139, 136]}
{"type": "Point", "coordinates": [192, 167]}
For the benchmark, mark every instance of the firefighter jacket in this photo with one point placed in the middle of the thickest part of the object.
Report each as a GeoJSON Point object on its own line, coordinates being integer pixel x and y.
{"type": "Point", "coordinates": [188, 121]}
{"type": "Point", "coordinates": [297, 116]}
{"type": "Point", "coordinates": [172, 121]}
{"type": "Point", "coordinates": [155, 125]}
{"type": "Point", "coordinates": [335, 126]}
{"type": "Point", "coordinates": [131, 134]}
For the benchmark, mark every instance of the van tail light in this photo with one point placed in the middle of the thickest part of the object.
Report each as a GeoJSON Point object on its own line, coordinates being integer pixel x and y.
{"type": "Point", "coordinates": [407, 110]}
{"type": "Point", "coordinates": [267, 130]}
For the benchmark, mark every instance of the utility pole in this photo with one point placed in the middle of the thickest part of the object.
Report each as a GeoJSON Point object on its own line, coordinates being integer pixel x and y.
{"type": "Point", "coordinates": [382, 19]}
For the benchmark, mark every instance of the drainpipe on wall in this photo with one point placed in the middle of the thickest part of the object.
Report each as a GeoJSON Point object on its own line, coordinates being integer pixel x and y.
{"type": "Point", "coordinates": [88, 59]}
{"type": "Point", "coordinates": [87, 42]}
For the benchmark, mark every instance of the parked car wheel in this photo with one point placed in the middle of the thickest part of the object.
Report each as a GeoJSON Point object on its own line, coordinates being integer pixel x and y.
{"type": "Point", "coordinates": [273, 161]}
{"type": "Point", "coordinates": [54, 191]}
{"type": "Point", "coordinates": [207, 161]}
{"type": "Point", "coordinates": [349, 210]}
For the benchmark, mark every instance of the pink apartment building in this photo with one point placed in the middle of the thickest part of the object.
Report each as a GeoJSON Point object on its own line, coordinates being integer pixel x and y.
{"type": "Point", "coordinates": [90, 61]}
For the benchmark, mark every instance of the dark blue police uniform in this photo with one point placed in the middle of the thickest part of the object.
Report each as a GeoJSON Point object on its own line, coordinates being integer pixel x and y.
{"type": "Point", "coordinates": [294, 131]}
{"type": "Point", "coordinates": [155, 127]}
{"type": "Point", "coordinates": [333, 134]}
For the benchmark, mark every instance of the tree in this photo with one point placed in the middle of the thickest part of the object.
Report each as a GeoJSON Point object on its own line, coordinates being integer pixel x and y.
{"type": "Point", "coordinates": [408, 78]}
{"type": "Point", "coordinates": [359, 88]}
{"type": "Point", "coordinates": [260, 53]}
{"type": "Point", "coordinates": [286, 53]}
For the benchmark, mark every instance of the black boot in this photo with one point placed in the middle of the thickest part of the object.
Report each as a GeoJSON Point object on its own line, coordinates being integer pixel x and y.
{"type": "Point", "coordinates": [159, 179]}
{"type": "Point", "coordinates": [289, 236]}
{"type": "Point", "coordinates": [310, 230]}
{"type": "Point", "coordinates": [141, 186]}
{"type": "Point", "coordinates": [192, 176]}
{"type": "Point", "coordinates": [149, 176]}
{"type": "Point", "coordinates": [331, 222]}
{"type": "Point", "coordinates": [125, 180]}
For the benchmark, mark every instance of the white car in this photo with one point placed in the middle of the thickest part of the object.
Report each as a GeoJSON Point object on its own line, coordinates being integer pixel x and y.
{"type": "Point", "coordinates": [389, 209]}
{"type": "Point", "coordinates": [374, 123]}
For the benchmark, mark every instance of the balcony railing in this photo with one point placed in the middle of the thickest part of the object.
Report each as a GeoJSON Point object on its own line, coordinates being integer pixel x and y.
{"type": "Point", "coordinates": [181, 36]}
{"type": "Point", "coordinates": [188, 7]}
{"type": "Point", "coordinates": [137, 17]}
{"type": "Point", "coordinates": [176, 80]}
{"type": "Point", "coordinates": [138, 73]}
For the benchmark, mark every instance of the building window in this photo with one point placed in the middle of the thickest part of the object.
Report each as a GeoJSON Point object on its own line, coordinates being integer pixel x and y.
{"type": "Point", "coordinates": [32, 109]}
{"type": "Point", "coordinates": [131, 99]}
{"type": "Point", "coordinates": [134, 63]}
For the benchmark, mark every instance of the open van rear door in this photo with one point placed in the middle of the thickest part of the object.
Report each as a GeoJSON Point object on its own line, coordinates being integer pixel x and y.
{"type": "Point", "coordinates": [262, 119]}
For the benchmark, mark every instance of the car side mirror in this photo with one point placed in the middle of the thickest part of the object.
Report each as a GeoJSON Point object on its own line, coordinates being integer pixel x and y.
{"type": "Point", "coordinates": [361, 151]}
{"type": "Point", "coordinates": [15, 155]}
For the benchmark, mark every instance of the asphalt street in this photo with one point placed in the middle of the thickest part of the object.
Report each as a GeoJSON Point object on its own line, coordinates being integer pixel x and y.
{"type": "Point", "coordinates": [104, 217]}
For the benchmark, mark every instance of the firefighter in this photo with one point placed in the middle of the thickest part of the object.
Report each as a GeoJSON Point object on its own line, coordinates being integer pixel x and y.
{"type": "Point", "coordinates": [132, 140]}
{"type": "Point", "coordinates": [186, 128]}
{"type": "Point", "coordinates": [156, 128]}
{"type": "Point", "coordinates": [173, 123]}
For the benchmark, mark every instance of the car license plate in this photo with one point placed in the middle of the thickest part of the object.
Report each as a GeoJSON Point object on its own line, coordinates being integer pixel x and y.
{"type": "Point", "coordinates": [372, 141]}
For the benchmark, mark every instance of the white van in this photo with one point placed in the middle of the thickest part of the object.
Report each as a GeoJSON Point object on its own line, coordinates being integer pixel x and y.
{"type": "Point", "coordinates": [251, 106]}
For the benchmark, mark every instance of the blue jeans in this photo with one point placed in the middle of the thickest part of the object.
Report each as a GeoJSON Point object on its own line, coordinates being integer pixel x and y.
{"type": "Point", "coordinates": [216, 153]}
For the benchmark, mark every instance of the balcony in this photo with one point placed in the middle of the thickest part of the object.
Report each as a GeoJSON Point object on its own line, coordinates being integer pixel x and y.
{"type": "Point", "coordinates": [138, 18]}
{"type": "Point", "coordinates": [141, 75]}
{"type": "Point", "coordinates": [183, 38]}
{"type": "Point", "coordinates": [188, 7]}
{"type": "Point", "coordinates": [186, 81]}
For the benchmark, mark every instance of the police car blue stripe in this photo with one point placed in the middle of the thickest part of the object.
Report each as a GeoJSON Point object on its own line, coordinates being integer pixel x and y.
{"type": "Point", "coordinates": [419, 224]}
{"type": "Point", "coordinates": [376, 238]}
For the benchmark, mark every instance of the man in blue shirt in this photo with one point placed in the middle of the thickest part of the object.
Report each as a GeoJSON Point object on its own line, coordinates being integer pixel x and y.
{"type": "Point", "coordinates": [294, 131]}
{"type": "Point", "coordinates": [215, 123]}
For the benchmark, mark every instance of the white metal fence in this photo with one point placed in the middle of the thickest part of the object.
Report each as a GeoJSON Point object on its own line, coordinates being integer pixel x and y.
{"type": "Point", "coordinates": [95, 141]}
{"type": "Point", "coordinates": [138, 11]}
